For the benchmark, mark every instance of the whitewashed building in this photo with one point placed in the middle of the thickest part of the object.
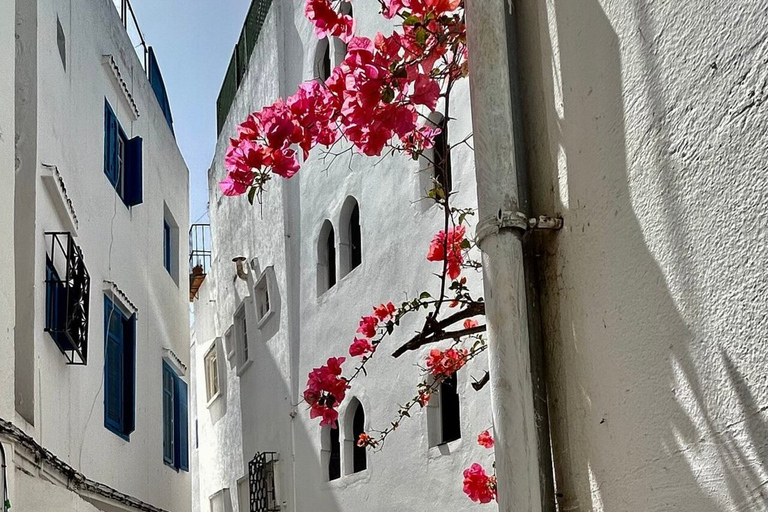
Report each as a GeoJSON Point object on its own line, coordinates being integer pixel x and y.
{"type": "Point", "coordinates": [644, 126]}
{"type": "Point", "coordinates": [94, 336]}
{"type": "Point", "coordinates": [327, 246]}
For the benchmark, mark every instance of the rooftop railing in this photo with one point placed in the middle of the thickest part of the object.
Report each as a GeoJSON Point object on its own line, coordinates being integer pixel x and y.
{"type": "Point", "coordinates": [238, 64]}
{"type": "Point", "coordinates": [131, 24]}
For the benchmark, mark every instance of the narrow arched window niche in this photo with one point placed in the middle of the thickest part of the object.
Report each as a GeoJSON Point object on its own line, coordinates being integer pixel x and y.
{"type": "Point", "coordinates": [436, 162]}
{"type": "Point", "coordinates": [326, 258]}
{"type": "Point", "coordinates": [322, 62]}
{"type": "Point", "coordinates": [444, 413]}
{"type": "Point", "coordinates": [350, 237]}
{"type": "Point", "coordinates": [331, 452]}
{"type": "Point", "coordinates": [355, 457]}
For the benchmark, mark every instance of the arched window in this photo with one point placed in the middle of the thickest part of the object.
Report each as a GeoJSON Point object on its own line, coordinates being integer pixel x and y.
{"type": "Point", "coordinates": [350, 238]}
{"type": "Point", "coordinates": [441, 157]}
{"type": "Point", "coordinates": [339, 46]}
{"type": "Point", "coordinates": [323, 65]}
{"type": "Point", "coordinates": [326, 258]}
{"type": "Point", "coordinates": [355, 457]}
{"type": "Point", "coordinates": [330, 452]}
{"type": "Point", "coordinates": [443, 413]}
{"type": "Point", "coordinates": [334, 464]}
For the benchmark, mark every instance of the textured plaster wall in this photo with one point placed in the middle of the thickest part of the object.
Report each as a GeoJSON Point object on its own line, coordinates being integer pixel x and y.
{"type": "Point", "coordinates": [7, 179]}
{"type": "Point", "coordinates": [120, 244]}
{"type": "Point", "coordinates": [396, 229]}
{"type": "Point", "coordinates": [646, 126]}
{"type": "Point", "coordinates": [36, 494]}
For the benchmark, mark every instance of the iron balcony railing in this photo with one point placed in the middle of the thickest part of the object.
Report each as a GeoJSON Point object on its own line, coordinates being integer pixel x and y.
{"type": "Point", "coordinates": [199, 256]}
{"type": "Point", "coordinates": [67, 295]}
{"type": "Point", "coordinates": [261, 480]}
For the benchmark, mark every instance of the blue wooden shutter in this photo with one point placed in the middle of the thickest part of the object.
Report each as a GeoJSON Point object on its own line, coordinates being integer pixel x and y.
{"type": "Point", "coordinates": [169, 410]}
{"type": "Point", "coordinates": [133, 189]}
{"type": "Point", "coordinates": [129, 375]}
{"type": "Point", "coordinates": [182, 426]}
{"type": "Point", "coordinates": [113, 367]}
{"type": "Point", "coordinates": [110, 144]}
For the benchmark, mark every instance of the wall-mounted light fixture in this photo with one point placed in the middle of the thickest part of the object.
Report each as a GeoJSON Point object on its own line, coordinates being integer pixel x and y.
{"type": "Point", "coordinates": [242, 268]}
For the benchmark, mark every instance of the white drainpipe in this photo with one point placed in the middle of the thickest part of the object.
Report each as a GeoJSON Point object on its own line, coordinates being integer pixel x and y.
{"type": "Point", "coordinates": [523, 463]}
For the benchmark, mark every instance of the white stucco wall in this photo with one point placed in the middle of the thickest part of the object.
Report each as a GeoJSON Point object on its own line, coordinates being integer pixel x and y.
{"type": "Point", "coordinates": [7, 180]}
{"type": "Point", "coordinates": [308, 329]}
{"type": "Point", "coordinates": [647, 131]}
{"type": "Point", "coordinates": [119, 244]}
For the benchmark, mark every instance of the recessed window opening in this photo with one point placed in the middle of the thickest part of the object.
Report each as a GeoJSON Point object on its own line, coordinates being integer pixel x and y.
{"type": "Point", "coordinates": [441, 158]}
{"type": "Point", "coordinates": [170, 244]}
{"type": "Point", "coordinates": [334, 464]}
{"type": "Point", "coordinates": [326, 258]}
{"type": "Point", "coordinates": [262, 297]}
{"type": "Point", "coordinates": [350, 243]}
{"type": "Point", "coordinates": [355, 458]}
{"type": "Point", "coordinates": [355, 238]}
{"type": "Point", "coordinates": [211, 373]}
{"type": "Point", "coordinates": [241, 335]}
{"type": "Point", "coordinates": [323, 65]}
{"type": "Point", "coordinates": [449, 410]}
{"type": "Point", "coordinates": [61, 42]}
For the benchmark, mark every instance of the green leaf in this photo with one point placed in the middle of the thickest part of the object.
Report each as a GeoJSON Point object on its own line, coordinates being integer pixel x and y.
{"type": "Point", "coordinates": [251, 195]}
{"type": "Point", "coordinates": [387, 95]}
{"type": "Point", "coordinates": [410, 20]}
{"type": "Point", "coordinates": [421, 36]}
{"type": "Point", "coordinates": [425, 295]}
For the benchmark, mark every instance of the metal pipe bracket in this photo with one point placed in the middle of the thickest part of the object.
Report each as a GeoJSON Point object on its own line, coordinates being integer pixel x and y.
{"type": "Point", "coordinates": [516, 222]}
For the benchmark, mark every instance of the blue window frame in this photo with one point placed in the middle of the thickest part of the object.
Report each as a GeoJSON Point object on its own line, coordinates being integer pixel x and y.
{"type": "Point", "coordinates": [167, 246]}
{"type": "Point", "coordinates": [119, 370]}
{"type": "Point", "coordinates": [175, 420]}
{"type": "Point", "coordinates": [122, 159]}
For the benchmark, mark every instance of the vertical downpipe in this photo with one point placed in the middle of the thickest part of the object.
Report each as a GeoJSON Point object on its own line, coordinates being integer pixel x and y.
{"type": "Point", "coordinates": [523, 464]}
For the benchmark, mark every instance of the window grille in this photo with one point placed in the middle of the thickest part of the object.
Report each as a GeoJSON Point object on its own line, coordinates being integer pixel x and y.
{"type": "Point", "coordinates": [261, 477]}
{"type": "Point", "coordinates": [68, 287]}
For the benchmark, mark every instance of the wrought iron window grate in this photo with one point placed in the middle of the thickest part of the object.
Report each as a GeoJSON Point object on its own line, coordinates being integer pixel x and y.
{"type": "Point", "coordinates": [67, 297]}
{"type": "Point", "coordinates": [261, 475]}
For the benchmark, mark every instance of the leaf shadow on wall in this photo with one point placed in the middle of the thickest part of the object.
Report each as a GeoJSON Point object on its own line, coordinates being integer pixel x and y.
{"type": "Point", "coordinates": [642, 398]}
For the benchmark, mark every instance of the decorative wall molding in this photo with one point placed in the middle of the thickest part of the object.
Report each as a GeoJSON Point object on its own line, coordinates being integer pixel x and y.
{"type": "Point", "coordinates": [118, 296]}
{"type": "Point", "coordinates": [170, 357]}
{"type": "Point", "coordinates": [111, 63]}
{"type": "Point", "coordinates": [54, 183]}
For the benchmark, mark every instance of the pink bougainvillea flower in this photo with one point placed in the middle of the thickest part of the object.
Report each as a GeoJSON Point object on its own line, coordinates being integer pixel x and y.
{"type": "Point", "coordinates": [485, 439]}
{"type": "Point", "coordinates": [230, 187]}
{"type": "Point", "coordinates": [384, 311]}
{"type": "Point", "coordinates": [363, 440]}
{"type": "Point", "coordinates": [361, 346]}
{"type": "Point", "coordinates": [426, 92]}
{"type": "Point", "coordinates": [452, 242]}
{"type": "Point", "coordinates": [470, 323]}
{"type": "Point", "coordinates": [327, 21]}
{"type": "Point", "coordinates": [367, 326]}
{"type": "Point", "coordinates": [479, 486]}
{"type": "Point", "coordinates": [326, 389]}
{"type": "Point", "coordinates": [446, 362]}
